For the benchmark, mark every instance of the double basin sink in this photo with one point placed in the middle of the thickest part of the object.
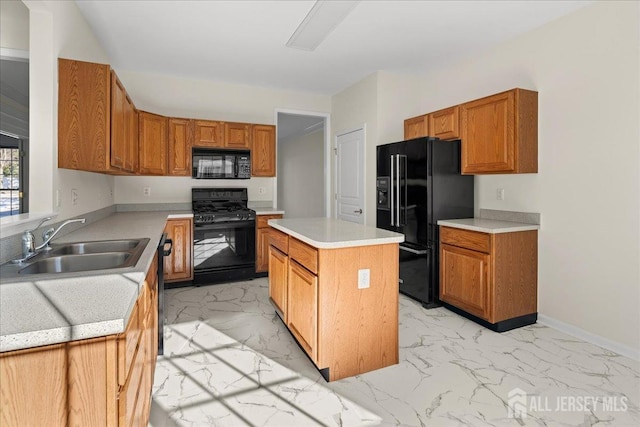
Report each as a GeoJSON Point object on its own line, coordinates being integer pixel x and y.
{"type": "Point", "coordinates": [86, 256]}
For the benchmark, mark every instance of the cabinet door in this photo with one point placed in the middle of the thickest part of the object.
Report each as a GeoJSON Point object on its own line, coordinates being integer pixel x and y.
{"type": "Point", "coordinates": [131, 131]}
{"type": "Point", "coordinates": [84, 108]}
{"type": "Point", "coordinates": [488, 134]}
{"type": "Point", "coordinates": [208, 134]}
{"type": "Point", "coordinates": [262, 249]}
{"type": "Point", "coordinates": [179, 265]}
{"type": "Point", "coordinates": [118, 122]}
{"type": "Point", "coordinates": [180, 142]}
{"type": "Point", "coordinates": [445, 124]}
{"type": "Point", "coordinates": [153, 144]}
{"type": "Point", "coordinates": [237, 135]}
{"type": "Point", "coordinates": [416, 127]}
{"type": "Point", "coordinates": [278, 275]}
{"type": "Point", "coordinates": [464, 279]}
{"type": "Point", "coordinates": [263, 150]}
{"type": "Point", "coordinates": [302, 312]}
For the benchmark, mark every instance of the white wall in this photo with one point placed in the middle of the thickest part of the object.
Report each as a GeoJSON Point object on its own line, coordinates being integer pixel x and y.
{"type": "Point", "coordinates": [14, 25]}
{"type": "Point", "coordinates": [585, 67]}
{"type": "Point", "coordinates": [352, 108]}
{"type": "Point", "coordinates": [205, 99]}
{"type": "Point", "coordinates": [301, 175]}
{"type": "Point", "coordinates": [57, 29]}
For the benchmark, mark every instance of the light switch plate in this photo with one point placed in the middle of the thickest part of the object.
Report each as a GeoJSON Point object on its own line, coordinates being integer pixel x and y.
{"type": "Point", "coordinates": [363, 278]}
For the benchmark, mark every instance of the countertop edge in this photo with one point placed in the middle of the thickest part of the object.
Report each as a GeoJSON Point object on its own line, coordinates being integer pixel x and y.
{"type": "Point", "coordinates": [506, 227]}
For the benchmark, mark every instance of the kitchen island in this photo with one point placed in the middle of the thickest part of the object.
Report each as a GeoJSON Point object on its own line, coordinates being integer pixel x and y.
{"type": "Point", "coordinates": [334, 284]}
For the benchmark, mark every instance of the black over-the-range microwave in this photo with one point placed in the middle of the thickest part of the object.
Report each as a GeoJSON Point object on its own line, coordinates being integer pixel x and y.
{"type": "Point", "coordinates": [211, 163]}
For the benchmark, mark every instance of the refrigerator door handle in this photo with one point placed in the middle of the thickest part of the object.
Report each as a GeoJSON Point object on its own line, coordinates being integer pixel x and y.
{"type": "Point", "coordinates": [398, 190]}
{"type": "Point", "coordinates": [391, 198]}
{"type": "Point", "coordinates": [402, 219]}
{"type": "Point", "coordinates": [414, 251]}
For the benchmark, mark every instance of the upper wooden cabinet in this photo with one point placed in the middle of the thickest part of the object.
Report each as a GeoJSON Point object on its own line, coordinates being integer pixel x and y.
{"type": "Point", "coordinates": [94, 119]}
{"type": "Point", "coordinates": [237, 135]}
{"type": "Point", "coordinates": [152, 142]}
{"type": "Point", "coordinates": [445, 124]}
{"type": "Point", "coordinates": [263, 150]}
{"type": "Point", "coordinates": [180, 143]}
{"type": "Point", "coordinates": [500, 133]}
{"type": "Point", "coordinates": [209, 134]}
{"type": "Point", "coordinates": [416, 127]}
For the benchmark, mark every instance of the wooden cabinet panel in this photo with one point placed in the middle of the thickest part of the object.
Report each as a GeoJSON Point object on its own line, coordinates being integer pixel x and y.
{"type": "Point", "coordinates": [304, 254]}
{"type": "Point", "coordinates": [237, 135]}
{"type": "Point", "coordinates": [152, 144]}
{"type": "Point", "coordinates": [263, 150]}
{"type": "Point", "coordinates": [416, 127]}
{"type": "Point", "coordinates": [278, 279]}
{"type": "Point", "coordinates": [208, 134]}
{"type": "Point", "coordinates": [279, 240]}
{"type": "Point", "coordinates": [119, 148]}
{"type": "Point", "coordinates": [127, 344]}
{"type": "Point", "coordinates": [302, 310]}
{"type": "Point", "coordinates": [129, 394]}
{"type": "Point", "coordinates": [473, 240]}
{"type": "Point", "coordinates": [180, 143]}
{"type": "Point", "coordinates": [179, 265]}
{"type": "Point", "coordinates": [25, 372]}
{"type": "Point", "coordinates": [464, 279]}
{"type": "Point", "coordinates": [445, 124]}
{"type": "Point", "coordinates": [500, 133]}
{"type": "Point", "coordinates": [84, 116]}
{"type": "Point", "coordinates": [262, 242]}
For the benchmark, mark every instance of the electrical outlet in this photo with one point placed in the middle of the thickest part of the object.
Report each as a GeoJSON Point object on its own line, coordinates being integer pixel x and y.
{"type": "Point", "coordinates": [262, 190]}
{"type": "Point", "coordinates": [74, 196]}
{"type": "Point", "coordinates": [500, 194]}
{"type": "Point", "coordinates": [363, 278]}
{"type": "Point", "coordinates": [146, 191]}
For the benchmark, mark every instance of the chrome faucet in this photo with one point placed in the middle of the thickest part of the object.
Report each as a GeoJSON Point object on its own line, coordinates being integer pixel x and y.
{"type": "Point", "coordinates": [29, 240]}
{"type": "Point", "coordinates": [48, 235]}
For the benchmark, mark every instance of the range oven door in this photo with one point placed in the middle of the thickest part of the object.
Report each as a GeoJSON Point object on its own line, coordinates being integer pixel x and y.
{"type": "Point", "coordinates": [224, 252]}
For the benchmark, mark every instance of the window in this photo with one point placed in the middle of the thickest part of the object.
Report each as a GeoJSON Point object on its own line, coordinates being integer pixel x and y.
{"type": "Point", "coordinates": [13, 161]}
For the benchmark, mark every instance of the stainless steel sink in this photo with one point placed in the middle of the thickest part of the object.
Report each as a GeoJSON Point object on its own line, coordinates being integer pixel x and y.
{"type": "Point", "coordinates": [96, 247]}
{"type": "Point", "coordinates": [81, 256]}
{"type": "Point", "coordinates": [73, 263]}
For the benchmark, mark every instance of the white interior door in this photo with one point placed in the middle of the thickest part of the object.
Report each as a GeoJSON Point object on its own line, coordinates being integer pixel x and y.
{"type": "Point", "coordinates": [350, 176]}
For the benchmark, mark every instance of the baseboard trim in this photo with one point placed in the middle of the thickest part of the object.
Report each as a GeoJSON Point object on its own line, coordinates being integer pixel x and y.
{"type": "Point", "coordinates": [616, 347]}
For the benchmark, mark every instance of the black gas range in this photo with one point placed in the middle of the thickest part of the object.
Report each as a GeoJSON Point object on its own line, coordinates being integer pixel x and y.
{"type": "Point", "coordinates": [224, 236]}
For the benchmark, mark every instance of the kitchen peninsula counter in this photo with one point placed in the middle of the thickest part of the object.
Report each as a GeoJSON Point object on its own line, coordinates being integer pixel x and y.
{"type": "Point", "coordinates": [43, 309]}
{"type": "Point", "coordinates": [334, 284]}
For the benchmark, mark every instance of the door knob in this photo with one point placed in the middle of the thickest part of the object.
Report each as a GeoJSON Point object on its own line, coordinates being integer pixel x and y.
{"type": "Point", "coordinates": [359, 211]}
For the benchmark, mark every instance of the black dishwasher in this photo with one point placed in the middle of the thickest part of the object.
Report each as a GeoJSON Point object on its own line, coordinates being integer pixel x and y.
{"type": "Point", "coordinates": [163, 251]}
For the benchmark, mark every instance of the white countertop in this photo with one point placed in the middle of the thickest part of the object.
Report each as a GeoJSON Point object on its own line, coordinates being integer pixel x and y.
{"type": "Point", "coordinates": [328, 233]}
{"type": "Point", "coordinates": [268, 211]}
{"type": "Point", "coordinates": [55, 308]}
{"type": "Point", "coordinates": [488, 225]}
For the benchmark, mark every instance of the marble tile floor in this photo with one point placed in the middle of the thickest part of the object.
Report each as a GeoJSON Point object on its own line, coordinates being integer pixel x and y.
{"type": "Point", "coordinates": [229, 361]}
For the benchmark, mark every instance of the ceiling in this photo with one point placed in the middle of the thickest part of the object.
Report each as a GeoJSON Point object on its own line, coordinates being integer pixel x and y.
{"type": "Point", "coordinates": [297, 124]}
{"type": "Point", "coordinates": [244, 41]}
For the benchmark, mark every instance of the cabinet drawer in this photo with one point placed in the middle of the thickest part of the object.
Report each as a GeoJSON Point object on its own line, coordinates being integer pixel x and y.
{"type": "Point", "coordinates": [473, 240]}
{"type": "Point", "coordinates": [129, 393]}
{"type": "Point", "coordinates": [306, 255]}
{"type": "Point", "coordinates": [127, 344]}
{"type": "Point", "coordinates": [279, 240]}
{"type": "Point", "coordinates": [262, 220]}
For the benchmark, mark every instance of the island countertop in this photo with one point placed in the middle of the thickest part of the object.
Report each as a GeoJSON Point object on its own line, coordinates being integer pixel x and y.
{"type": "Point", "coordinates": [55, 308]}
{"type": "Point", "coordinates": [329, 233]}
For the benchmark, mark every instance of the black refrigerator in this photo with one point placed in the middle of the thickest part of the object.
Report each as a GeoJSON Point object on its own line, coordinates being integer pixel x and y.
{"type": "Point", "coordinates": [418, 182]}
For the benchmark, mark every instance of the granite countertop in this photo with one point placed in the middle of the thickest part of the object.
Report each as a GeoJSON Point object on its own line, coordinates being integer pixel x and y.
{"type": "Point", "coordinates": [490, 226]}
{"type": "Point", "coordinates": [55, 308]}
{"type": "Point", "coordinates": [328, 233]}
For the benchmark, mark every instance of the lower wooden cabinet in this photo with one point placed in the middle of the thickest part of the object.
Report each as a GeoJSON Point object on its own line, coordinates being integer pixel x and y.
{"type": "Point", "coordinates": [302, 309]}
{"type": "Point", "coordinates": [262, 241]}
{"type": "Point", "coordinates": [491, 277]}
{"type": "Point", "coordinates": [103, 381]}
{"type": "Point", "coordinates": [278, 279]}
{"type": "Point", "coordinates": [179, 265]}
